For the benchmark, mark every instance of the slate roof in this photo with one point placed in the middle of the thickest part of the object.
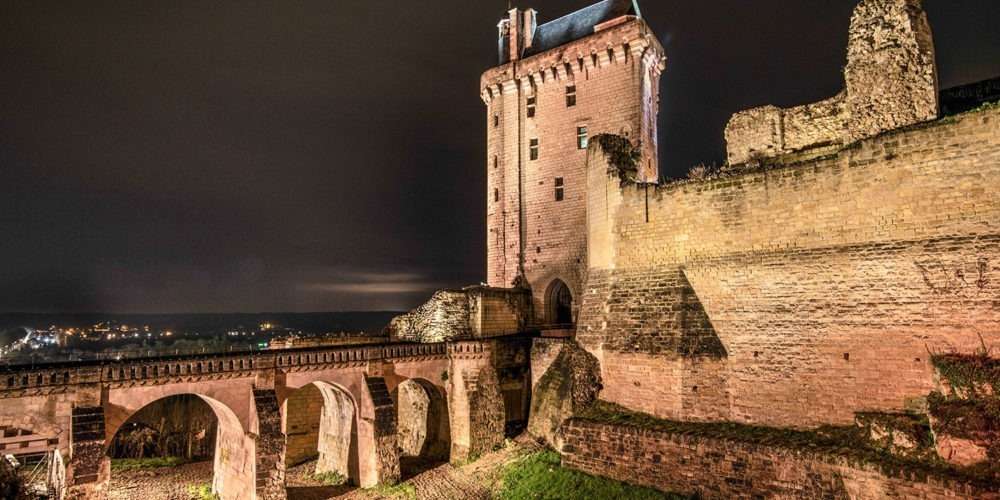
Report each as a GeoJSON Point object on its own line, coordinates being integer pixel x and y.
{"type": "Point", "coordinates": [579, 24]}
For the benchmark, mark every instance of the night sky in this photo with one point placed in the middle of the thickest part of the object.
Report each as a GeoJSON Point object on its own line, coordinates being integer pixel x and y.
{"type": "Point", "coordinates": [224, 156]}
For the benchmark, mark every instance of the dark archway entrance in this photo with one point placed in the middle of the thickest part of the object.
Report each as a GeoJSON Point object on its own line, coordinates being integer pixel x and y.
{"type": "Point", "coordinates": [559, 304]}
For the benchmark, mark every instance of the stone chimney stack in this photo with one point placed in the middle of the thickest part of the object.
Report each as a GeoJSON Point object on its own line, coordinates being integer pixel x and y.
{"type": "Point", "coordinates": [529, 21]}
{"type": "Point", "coordinates": [514, 35]}
{"type": "Point", "coordinates": [517, 32]}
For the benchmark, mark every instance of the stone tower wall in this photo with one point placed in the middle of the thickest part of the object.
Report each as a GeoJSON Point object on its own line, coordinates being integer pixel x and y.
{"type": "Point", "coordinates": [616, 75]}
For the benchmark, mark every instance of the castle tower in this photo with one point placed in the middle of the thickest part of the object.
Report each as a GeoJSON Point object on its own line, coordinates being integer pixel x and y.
{"type": "Point", "coordinates": [594, 71]}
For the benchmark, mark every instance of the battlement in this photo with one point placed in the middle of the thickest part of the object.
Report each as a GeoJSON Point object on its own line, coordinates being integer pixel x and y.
{"type": "Point", "coordinates": [630, 39]}
{"type": "Point", "coordinates": [890, 82]}
{"type": "Point", "coordinates": [57, 377]}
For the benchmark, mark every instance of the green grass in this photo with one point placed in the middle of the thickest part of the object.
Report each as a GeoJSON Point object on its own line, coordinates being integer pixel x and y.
{"type": "Point", "coordinates": [125, 464]}
{"type": "Point", "coordinates": [539, 476]}
{"type": "Point", "coordinates": [203, 492]}
{"type": "Point", "coordinates": [331, 478]}
{"type": "Point", "coordinates": [402, 490]}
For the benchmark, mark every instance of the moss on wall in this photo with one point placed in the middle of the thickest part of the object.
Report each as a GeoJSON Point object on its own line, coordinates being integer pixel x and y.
{"type": "Point", "coordinates": [622, 155]}
{"type": "Point", "coordinates": [572, 382]}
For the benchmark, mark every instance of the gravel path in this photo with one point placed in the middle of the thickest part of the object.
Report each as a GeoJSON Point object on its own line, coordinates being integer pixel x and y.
{"type": "Point", "coordinates": [167, 483]}
{"type": "Point", "coordinates": [475, 481]}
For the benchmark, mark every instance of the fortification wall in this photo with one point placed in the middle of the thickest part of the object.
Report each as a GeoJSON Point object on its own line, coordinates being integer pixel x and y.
{"type": "Point", "coordinates": [890, 81]}
{"type": "Point", "coordinates": [719, 468]}
{"type": "Point", "coordinates": [797, 295]}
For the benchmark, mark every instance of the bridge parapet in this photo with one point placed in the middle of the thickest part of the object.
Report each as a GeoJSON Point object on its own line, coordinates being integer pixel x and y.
{"type": "Point", "coordinates": [54, 378]}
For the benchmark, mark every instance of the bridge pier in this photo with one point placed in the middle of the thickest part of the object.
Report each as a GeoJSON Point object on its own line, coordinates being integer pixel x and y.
{"type": "Point", "coordinates": [475, 404]}
{"type": "Point", "coordinates": [379, 415]}
{"type": "Point", "coordinates": [270, 447]}
{"type": "Point", "coordinates": [88, 472]}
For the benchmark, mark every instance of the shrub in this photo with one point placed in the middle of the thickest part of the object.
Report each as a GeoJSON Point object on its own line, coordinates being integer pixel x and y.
{"type": "Point", "coordinates": [330, 478]}
{"type": "Point", "coordinates": [202, 492]}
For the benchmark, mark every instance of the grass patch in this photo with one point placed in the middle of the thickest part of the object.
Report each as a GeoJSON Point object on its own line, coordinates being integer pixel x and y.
{"type": "Point", "coordinates": [539, 476]}
{"type": "Point", "coordinates": [330, 478]}
{"type": "Point", "coordinates": [202, 492]}
{"type": "Point", "coordinates": [127, 464]}
{"type": "Point", "coordinates": [401, 490]}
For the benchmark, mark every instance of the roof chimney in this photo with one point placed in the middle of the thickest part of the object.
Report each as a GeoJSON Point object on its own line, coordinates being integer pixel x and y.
{"type": "Point", "coordinates": [517, 33]}
{"type": "Point", "coordinates": [514, 35]}
{"type": "Point", "coordinates": [529, 22]}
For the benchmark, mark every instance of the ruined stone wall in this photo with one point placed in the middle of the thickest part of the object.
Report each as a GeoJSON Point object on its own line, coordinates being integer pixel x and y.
{"type": "Point", "coordinates": [717, 468]}
{"type": "Point", "coordinates": [473, 312]}
{"type": "Point", "coordinates": [609, 71]}
{"type": "Point", "coordinates": [445, 316]}
{"type": "Point", "coordinates": [890, 82]}
{"type": "Point", "coordinates": [797, 295]}
{"type": "Point", "coordinates": [566, 379]}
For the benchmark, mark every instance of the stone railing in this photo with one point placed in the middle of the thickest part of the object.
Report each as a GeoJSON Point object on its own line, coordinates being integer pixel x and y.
{"type": "Point", "coordinates": [48, 378]}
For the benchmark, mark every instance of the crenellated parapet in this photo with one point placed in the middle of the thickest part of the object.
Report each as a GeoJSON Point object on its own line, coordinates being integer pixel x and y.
{"type": "Point", "coordinates": [890, 82]}
{"type": "Point", "coordinates": [627, 41]}
{"type": "Point", "coordinates": [19, 381]}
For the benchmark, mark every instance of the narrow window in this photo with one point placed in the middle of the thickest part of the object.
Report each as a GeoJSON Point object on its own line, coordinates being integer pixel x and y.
{"type": "Point", "coordinates": [496, 195]}
{"type": "Point", "coordinates": [495, 163]}
{"type": "Point", "coordinates": [559, 189]}
{"type": "Point", "coordinates": [531, 106]}
{"type": "Point", "coordinates": [533, 149]}
{"type": "Point", "coordinates": [570, 96]}
{"type": "Point", "coordinates": [496, 120]}
{"type": "Point", "coordinates": [581, 137]}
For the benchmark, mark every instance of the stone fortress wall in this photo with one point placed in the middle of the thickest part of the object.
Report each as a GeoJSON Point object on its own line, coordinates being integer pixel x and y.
{"type": "Point", "coordinates": [796, 294]}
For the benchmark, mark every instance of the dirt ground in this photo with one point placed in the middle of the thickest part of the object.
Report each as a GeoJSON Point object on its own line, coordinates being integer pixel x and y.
{"type": "Point", "coordinates": [166, 483]}
{"type": "Point", "coordinates": [474, 481]}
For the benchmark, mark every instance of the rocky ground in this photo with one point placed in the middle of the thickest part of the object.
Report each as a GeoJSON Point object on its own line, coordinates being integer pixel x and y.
{"type": "Point", "coordinates": [438, 482]}
{"type": "Point", "coordinates": [165, 483]}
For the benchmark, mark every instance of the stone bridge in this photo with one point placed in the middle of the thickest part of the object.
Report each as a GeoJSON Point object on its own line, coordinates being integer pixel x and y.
{"type": "Point", "coordinates": [472, 390]}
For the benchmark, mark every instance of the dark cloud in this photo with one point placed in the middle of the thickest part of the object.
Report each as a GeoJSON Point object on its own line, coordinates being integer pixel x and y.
{"type": "Point", "coordinates": [318, 155]}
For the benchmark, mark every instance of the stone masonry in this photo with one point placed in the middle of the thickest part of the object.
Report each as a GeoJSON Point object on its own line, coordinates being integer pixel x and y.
{"type": "Point", "coordinates": [890, 82]}
{"type": "Point", "coordinates": [826, 282]}
{"type": "Point", "coordinates": [606, 82]}
{"type": "Point", "coordinates": [720, 469]}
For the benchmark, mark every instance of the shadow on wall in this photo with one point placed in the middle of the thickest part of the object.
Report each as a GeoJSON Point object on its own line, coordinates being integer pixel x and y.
{"type": "Point", "coordinates": [680, 325]}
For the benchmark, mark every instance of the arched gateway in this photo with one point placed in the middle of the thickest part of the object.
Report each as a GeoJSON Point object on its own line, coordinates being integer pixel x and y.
{"type": "Point", "coordinates": [559, 304]}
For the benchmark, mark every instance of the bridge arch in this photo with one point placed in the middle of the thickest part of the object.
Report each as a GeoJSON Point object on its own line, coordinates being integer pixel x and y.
{"type": "Point", "coordinates": [423, 424]}
{"type": "Point", "coordinates": [235, 450]}
{"type": "Point", "coordinates": [323, 421]}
